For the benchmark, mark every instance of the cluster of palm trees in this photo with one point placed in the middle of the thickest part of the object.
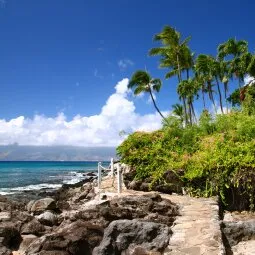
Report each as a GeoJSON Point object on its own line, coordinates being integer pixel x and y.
{"type": "Point", "coordinates": [196, 75]}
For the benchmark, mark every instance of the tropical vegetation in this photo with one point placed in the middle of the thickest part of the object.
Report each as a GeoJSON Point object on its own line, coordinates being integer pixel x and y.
{"type": "Point", "coordinates": [214, 153]}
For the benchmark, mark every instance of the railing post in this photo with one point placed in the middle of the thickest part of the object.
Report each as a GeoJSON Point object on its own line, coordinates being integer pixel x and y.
{"type": "Point", "coordinates": [99, 176]}
{"type": "Point", "coordinates": [112, 167]}
{"type": "Point", "coordinates": [119, 178]}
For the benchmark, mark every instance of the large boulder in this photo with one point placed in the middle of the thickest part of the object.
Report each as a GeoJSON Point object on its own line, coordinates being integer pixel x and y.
{"type": "Point", "coordinates": [129, 236]}
{"type": "Point", "coordinates": [236, 232]}
{"type": "Point", "coordinates": [149, 207]}
{"type": "Point", "coordinates": [42, 205]}
{"type": "Point", "coordinates": [69, 238]}
{"type": "Point", "coordinates": [48, 218]}
{"type": "Point", "coordinates": [133, 207]}
{"type": "Point", "coordinates": [33, 227]}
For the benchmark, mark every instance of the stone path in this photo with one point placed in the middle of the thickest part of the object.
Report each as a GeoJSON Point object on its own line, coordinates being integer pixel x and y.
{"type": "Point", "coordinates": [196, 231]}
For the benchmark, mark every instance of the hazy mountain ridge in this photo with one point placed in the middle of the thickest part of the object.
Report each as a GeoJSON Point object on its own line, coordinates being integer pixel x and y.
{"type": "Point", "coordinates": [55, 153]}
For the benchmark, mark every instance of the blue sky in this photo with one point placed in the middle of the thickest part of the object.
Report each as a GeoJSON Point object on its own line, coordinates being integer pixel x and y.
{"type": "Point", "coordinates": [67, 56]}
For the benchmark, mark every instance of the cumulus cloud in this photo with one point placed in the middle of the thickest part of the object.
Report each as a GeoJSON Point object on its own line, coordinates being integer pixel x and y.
{"type": "Point", "coordinates": [249, 79]}
{"type": "Point", "coordinates": [117, 114]}
{"type": "Point", "coordinates": [124, 63]}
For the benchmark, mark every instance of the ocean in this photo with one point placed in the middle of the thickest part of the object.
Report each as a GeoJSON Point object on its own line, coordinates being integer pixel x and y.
{"type": "Point", "coordinates": [21, 176]}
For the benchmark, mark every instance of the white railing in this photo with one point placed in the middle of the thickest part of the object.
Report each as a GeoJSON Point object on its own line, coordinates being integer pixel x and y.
{"type": "Point", "coordinates": [112, 174]}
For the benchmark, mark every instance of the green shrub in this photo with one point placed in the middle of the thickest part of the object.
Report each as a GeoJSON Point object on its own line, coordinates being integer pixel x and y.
{"type": "Point", "coordinates": [215, 155]}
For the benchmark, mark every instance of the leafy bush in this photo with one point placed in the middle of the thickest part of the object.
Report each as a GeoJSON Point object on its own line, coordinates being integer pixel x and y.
{"type": "Point", "coordinates": [215, 155]}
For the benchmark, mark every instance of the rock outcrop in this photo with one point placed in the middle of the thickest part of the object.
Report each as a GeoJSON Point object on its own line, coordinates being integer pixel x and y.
{"type": "Point", "coordinates": [41, 205]}
{"type": "Point", "coordinates": [131, 236]}
{"type": "Point", "coordinates": [170, 182]}
{"type": "Point", "coordinates": [72, 222]}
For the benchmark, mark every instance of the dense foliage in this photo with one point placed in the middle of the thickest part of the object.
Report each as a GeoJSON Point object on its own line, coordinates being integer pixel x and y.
{"type": "Point", "coordinates": [210, 157]}
{"type": "Point", "coordinates": [214, 153]}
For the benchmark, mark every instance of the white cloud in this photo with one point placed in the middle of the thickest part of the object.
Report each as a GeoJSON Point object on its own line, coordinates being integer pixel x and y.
{"type": "Point", "coordinates": [248, 79]}
{"type": "Point", "coordinates": [124, 63]}
{"type": "Point", "coordinates": [117, 114]}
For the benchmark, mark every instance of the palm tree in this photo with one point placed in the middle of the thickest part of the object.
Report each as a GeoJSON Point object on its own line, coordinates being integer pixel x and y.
{"type": "Point", "coordinates": [224, 76]}
{"type": "Point", "coordinates": [251, 67]}
{"type": "Point", "coordinates": [236, 49]}
{"type": "Point", "coordinates": [141, 81]}
{"type": "Point", "coordinates": [216, 72]}
{"type": "Point", "coordinates": [174, 54]}
{"type": "Point", "coordinates": [205, 67]}
{"type": "Point", "coordinates": [232, 47]}
{"type": "Point", "coordinates": [188, 89]}
{"type": "Point", "coordinates": [178, 111]}
{"type": "Point", "coordinates": [201, 83]}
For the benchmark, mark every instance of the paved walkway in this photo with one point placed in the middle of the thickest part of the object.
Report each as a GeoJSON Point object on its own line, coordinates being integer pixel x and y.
{"type": "Point", "coordinates": [195, 232]}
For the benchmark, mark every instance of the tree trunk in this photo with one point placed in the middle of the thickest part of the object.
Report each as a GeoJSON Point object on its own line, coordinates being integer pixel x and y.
{"type": "Point", "coordinates": [214, 106]}
{"type": "Point", "coordinates": [187, 72]}
{"type": "Point", "coordinates": [183, 99]}
{"type": "Point", "coordinates": [156, 107]}
{"type": "Point", "coordinates": [220, 97]}
{"type": "Point", "coordinates": [185, 111]}
{"type": "Point", "coordinates": [203, 96]}
{"type": "Point", "coordinates": [225, 94]}
{"type": "Point", "coordinates": [190, 113]}
{"type": "Point", "coordinates": [193, 111]}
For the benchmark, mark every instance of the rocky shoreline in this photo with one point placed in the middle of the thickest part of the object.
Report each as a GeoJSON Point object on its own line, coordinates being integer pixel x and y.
{"type": "Point", "coordinates": [76, 220]}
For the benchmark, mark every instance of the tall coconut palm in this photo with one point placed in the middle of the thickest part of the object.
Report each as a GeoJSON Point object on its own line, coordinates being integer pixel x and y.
{"type": "Point", "coordinates": [201, 83]}
{"type": "Point", "coordinates": [216, 72]}
{"type": "Point", "coordinates": [235, 49]}
{"type": "Point", "coordinates": [174, 53]}
{"type": "Point", "coordinates": [189, 90]}
{"type": "Point", "coordinates": [178, 111]}
{"type": "Point", "coordinates": [224, 76]}
{"type": "Point", "coordinates": [205, 68]}
{"type": "Point", "coordinates": [141, 81]}
{"type": "Point", "coordinates": [240, 66]}
{"type": "Point", "coordinates": [251, 67]}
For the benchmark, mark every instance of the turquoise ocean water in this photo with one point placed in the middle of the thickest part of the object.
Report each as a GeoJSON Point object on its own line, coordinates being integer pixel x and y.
{"type": "Point", "coordinates": [20, 176]}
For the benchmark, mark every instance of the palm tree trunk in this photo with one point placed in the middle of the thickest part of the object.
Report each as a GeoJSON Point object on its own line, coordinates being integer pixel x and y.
{"type": "Point", "coordinates": [185, 111]}
{"type": "Point", "coordinates": [240, 88]}
{"type": "Point", "coordinates": [156, 107]}
{"type": "Point", "coordinates": [193, 111]}
{"type": "Point", "coordinates": [183, 99]}
{"type": "Point", "coordinates": [220, 97]}
{"type": "Point", "coordinates": [187, 72]}
{"type": "Point", "coordinates": [179, 69]}
{"type": "Point", "coordinates": [225, 94]}
{"type": "Point", "coordinates": [203, 96]}
{"type": "Point", "coordinates": [190, 114]}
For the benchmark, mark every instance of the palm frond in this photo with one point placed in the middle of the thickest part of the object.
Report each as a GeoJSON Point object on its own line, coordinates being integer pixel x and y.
{"type": "Point", "coordinates": [171, 73]}
{"type": "Point", "coordinates": [139, 78]}
{"type": "Point", "coordinates": [138, 90]}
{"type": "Point", "coordinates": [156, 84]}
{"type": "Point", "coordinates": [158, 51]}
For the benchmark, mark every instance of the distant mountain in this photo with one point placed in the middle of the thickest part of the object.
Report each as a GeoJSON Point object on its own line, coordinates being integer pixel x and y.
{"type": "Point", "coordinates": [55, 153]}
